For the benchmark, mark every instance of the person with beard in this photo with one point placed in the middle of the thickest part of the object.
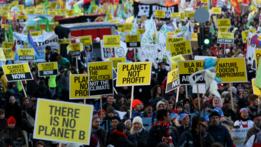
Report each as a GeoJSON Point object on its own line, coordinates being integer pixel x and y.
{"type": "Point", "coordinates": [256, 128]}
{"type": "Point", "coordinates": [218, 131]}
{"type": "Point", "coordinates": [98, 135]}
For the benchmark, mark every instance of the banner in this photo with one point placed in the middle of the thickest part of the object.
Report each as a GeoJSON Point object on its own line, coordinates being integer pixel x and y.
{"type": "Point", "coordinates": [225, 38]}
{"type": "Point", "coordinates": [231, 70]}
{"type": "Point", "coordinates": [133, 41]}
{"type": "Point", "coordinates": [25, 54]}
{"type": "Point", "coordinates": [186, 68]}
{"type": "Point", "coordinates": [63, 121]}
{"type": "Point", "coordinates": [257, 56]}
{"type": "Point", "coordinates": [47, 69]}
{"type": "Point", "coordinates": [181, 48]}
{"type": "Point", "coordinates": [131, 74]}
{"type": "Point", "coordinates": [46, 39]}
{"type": "Point", "coordinates": [16, 72]}
{"type": "Point", "coordinates": [141, 9]}
{"type": "Point", "coordinates": [100, 78]}
{"type": "Point", "coordinates": [172, 80]}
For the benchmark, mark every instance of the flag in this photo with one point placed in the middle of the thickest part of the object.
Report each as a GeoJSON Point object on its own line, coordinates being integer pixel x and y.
{"type": "Point", "coordinates": [236, 6]}
{"type": "Point", "coordinates": [32, 43]}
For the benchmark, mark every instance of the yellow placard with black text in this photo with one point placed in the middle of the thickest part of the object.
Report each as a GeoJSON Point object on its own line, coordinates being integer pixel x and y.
{"type": "Point", "coordinates": [9, 53]}
{"type": "Point", "coordinates": [63, 121]}
{"type": "Point", "coordinates": [256, 90]}
{"type": "Point", "coordinates": [172, 80]}
{"type": "Point", "coordinates": [86, 40]}
{"type": "Point", "coordinates": [25, 54]}
{"type": "Point", "coordinates": [16, 72]}
{"type": "Point", "coordinates": [231, 70]}
{"type": "Point", "coordinates": [257, 56]}
{"type": "Point", "coordinates": [47, 69]}
{"type": "Point", "coordinates": [111, 41]}
{"type": "Point", "coordinates": [100, 78]}
{"type": "Point", "coordinates": [216, 10]}
{"type": "Point", "coordinates": [160, 14]}
{"type": "Point", "coordinates": [171, 40]}
{"type": "Point", "coordinates": [115, 61]}
{"type": "Point", "coordinates": [223, 22]}
{"type": "Point", "coordinates": [131, 74]}
{"type": "Point", "coordinates": [181, 48]}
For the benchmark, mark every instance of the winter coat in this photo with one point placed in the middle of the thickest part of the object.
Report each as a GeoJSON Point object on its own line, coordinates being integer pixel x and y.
{"type": "Point", "coordinates": [221, 135]}
{"type": "Point", "coordinates": [140, 137]}
{"type": "Point", "coordinates": [12, 136]}
{"type": "Point", "coordinates": [120, 139]}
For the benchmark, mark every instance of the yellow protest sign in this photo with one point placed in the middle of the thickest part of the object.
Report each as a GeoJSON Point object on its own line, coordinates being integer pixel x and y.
{"type": "Point", "coordinates": [256, 90]}
{"type": "Point", "coordinates": [47, 69]}
{"type": "Point", "coordinates": [204, 1]}
{"type": "Point", "coordinates": [172, 80]}
{"type": "Point", "coordinates": [182, 15]}
{"type": "Point", "coordinates": [216, 10]}
{"type": "Point", "coordinates": [174, 61]}
{"type": "Point", "coordinates": [223, 29]}
{"type": "Point", "coordinates": [231, 70]}
{"type": "Point", "coordinates": [64, 41]}
{"type": "Point", "coordinates": [9, 53]}
{"type": "Point", "coordinates": [7, 44]}
{"type": "Point", "coordinates": [194, 37]}
{"type": "Point", "coordinates": [100, 78]}
{"type": "Point", "coordinates": [127, 27]}
{"type": "Point", "coordinates": [223, 23]}
{"type": "Point", "coordinates": [244, 35]}
{"type": "Point", "coordinates": [130, 74]}
{"type": "Point", "coordinates": [75, 48]}
{"type": "Point", "coordinates": [16, 72]}
{"type": "Point", "coordinates": [115, 61]}
{"type": "Point", "coordinates": [86, 40]}
{"type": "Point", "coordinates": [181, 48]}
{"type": "Point", "coordinates": [257, 56]}
{"type": "Point", "coordinates": [25, 54]}
{"type": "Point", "coordinates": [175, 15]}
{"type": "Point", "coordinates": [2, 55]}
{"type": "Point", "coordinates": [140, 31]}
{"type": "Point", "coordinates": [63, 121]}
{"type": "Point", "coordinates": [159, 14]}
{"type": "Point", "coordinates": [189, 14]}
{"type": "Point", "coordinates": [133, 40]}
{"type": "Point", "coordinates": [171, 40]}
{"type": "Point", "coordinates": [225, 38]}
{"type": "Point", "coordinates": [110, 41]}
{"type": "Point", "coordinates": [79, 86]}
{"type": "Point", "coordinates": [186, 68]}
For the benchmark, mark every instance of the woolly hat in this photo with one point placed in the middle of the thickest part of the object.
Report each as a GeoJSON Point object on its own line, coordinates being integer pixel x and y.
{"type": "Point", "coordinates": [11, 120]}
{"type": "Point", "coordinates": [137, 119]}
{"type": "Point", "coordinates": [136, 102]}
{"type": "Point", "coordinates": [243, 110]}
{"type": "Point", "coordinates": [159, 103]}
{"type": "Point", "coordinates": [182, 116]}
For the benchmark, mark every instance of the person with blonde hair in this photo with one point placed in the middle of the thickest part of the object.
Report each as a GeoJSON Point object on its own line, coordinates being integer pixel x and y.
{"type": "Point", "coordinates": [138, 133]}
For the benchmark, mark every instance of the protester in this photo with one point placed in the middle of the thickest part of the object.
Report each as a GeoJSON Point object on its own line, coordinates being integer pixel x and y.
{"type": "Point", "coordinates": [138, 132]}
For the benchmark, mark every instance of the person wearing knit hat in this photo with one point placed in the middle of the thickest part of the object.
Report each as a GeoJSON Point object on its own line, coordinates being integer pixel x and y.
{"type": "Point", "coordinates": [137, 129]}
{"type": "Point", "coordinates": [137, 106]}
{"type": "Point", "coordinates": [160, 105]}
{"type": "Point", "coordinates": [184, 122]}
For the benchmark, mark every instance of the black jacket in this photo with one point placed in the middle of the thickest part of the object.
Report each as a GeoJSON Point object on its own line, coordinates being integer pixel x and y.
{"type": "Point", "coordinates": [221, 135]}
{"type": "Point", "coordinates": [120, 139]}
{"type": "Point", "coordinates": [140, 138]}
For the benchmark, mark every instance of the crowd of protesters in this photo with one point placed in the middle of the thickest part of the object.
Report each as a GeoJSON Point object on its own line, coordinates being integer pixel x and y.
{"type": "Point", "coordinates": [158, 119]}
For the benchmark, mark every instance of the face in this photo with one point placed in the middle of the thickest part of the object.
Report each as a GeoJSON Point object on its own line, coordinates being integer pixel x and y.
{"type": "Point", "coordinates": [96, 123]}
{"type": "Point", "coordinates": [244, 114]}
{"type": "Point", "coordinates": [258, 121]}
{"type": "Point", "coordinates": [110, 99]}
{"type": "Point", "coordinates": [161, 107]}
{"type": "Point", "coordinates": [137, 126]}
{"type": "Point", "coordinates": [158, 90]}
{"type": "Point", "coordinates": [114, 123]}
{"type": "Point", "coordinates": [186, 121]}
{"type": "Point", "coordinates": [12, 100]}
{"type": "Point", "coordinates": [215, 120]}
{"type": "Point", "coordinates": [2, 115]}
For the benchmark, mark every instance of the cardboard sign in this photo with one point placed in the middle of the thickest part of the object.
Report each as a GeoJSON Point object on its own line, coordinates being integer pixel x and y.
{"type": "Point", "coordinates": [115, 61]}
{"type": "Point", "coordinates": [79, 86]}
{"type": "Point", "coordinates": [231, 70]}
{"type": "Point", "coordinates": [186, 68]}
{"type": "Point", "coordinates": [223, 23]}
{"type": "Point", "coordinates": [100, 78]}
{"type": "Point", "coordinates": [47, 69]}
{"type": "Point", "coordinates": [174, 61]}
{"type": "Point", "coordinates": [159, 14]}
{"type": "Point", "coordinates": [225, 38]}
{"type": "Point", "coordinates": [16, 72]}
{"type": "Point", "coordinates": [256, 90]}
{"type": "Point", "coordinates": [216, 10]}
{"type": "Point", "coordinates": [127, 27]}
{"type": "Point", "coordinates": [257, 56]}
{"type": "Point", "coordinates": [110, 41]}
{"type": "Point", "coordinates": [63, 121]}
{"type": "Point", "coordinates": [172, 80]}
{"type": "Point", "coordinates": [26, 54]}
{"type": "Point", "coordinates": [171, 40]}
{"type": "Point", "coordinates": [130, 74]}
{"type": "Point", "coordinates": [181, 48]}
{"type": "Point", "coordinates": [133, 41]}
{"type": "Point", "coordinates": [75, 49]}
{"type": "Point", "coordinates": [86, 40]}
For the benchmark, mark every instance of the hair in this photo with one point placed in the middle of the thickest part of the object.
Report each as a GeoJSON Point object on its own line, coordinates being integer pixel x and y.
{"type": "Point", "coordinates": [216, 144]}
{"type": "Point", "coordinates": [161, 114]}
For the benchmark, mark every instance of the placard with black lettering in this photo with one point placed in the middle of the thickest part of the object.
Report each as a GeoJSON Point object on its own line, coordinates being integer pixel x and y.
{"type": "Point", "coordinates": [100, 78]}
{"type": "Point", "coordinates": [17, 72]}
{"type": "Point", "coordinates": [47, 69]}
